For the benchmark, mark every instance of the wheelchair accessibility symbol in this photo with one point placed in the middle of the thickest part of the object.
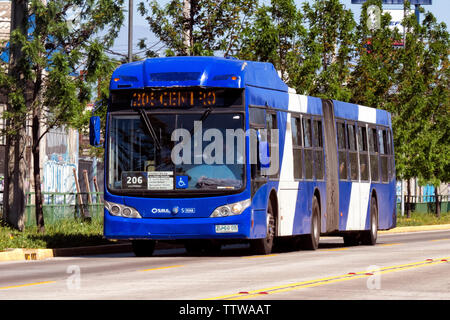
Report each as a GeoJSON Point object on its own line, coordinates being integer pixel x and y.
{"type": "Point", "coordinates": [182, 182]}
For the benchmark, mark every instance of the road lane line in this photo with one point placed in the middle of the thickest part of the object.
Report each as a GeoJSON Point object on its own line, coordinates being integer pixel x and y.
{"type": "Point", "coordinates": [337, 249]}
{"type": "Point", "coordinates": [388, 244]}
{"type": "Point", "coordinates": [26, 285]}
{"type": "Point", "coordinates": [161, 268]}
{"type": "Point", "coordinates": [261, 256]}
{"type": "Point", "coordinates": [328, 280]}
{"type": "Point", "coordinates": [440, 240]}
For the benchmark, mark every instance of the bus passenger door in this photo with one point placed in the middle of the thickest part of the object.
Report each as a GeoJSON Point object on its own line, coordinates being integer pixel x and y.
{"type": "Point", "coordinates": [331, 165]}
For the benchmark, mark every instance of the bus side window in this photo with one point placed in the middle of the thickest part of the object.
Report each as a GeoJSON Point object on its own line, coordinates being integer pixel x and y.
{"type": "Point", "coordinates": [308, 152]}
{"type": "Point", "coordinates": [391, 165]}
{"type": "Point", "coordinates": [352, 152]}
{"type": "Point", "coordinates": [297, 147]}
{"type": "Point", "coordinates": [384, 157]}
{"type": "Point", "coordinates": [363, 157]}
{"type": "Point", "coordinates": [257, 119]}
{"type": "Point", "coordinates": [373, 149]}
{"type": "Point", "coordinates": [342, 146]}
{"type": "Point", "coordinates": [271, 124]}
{"type": "Point", "coordinates": [318, 149]}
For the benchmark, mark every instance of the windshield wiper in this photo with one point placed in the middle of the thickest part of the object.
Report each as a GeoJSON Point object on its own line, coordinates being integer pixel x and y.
{"type": "Point", "coordinates": [149, 127]}
{"type": "Point", "coordinates": [202, 118]}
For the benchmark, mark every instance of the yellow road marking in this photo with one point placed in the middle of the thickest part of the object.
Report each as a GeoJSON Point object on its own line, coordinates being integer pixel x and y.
{"type": "Point", "coordinates": [261, 256]}
{"type": "Point", "coordinates": [161, 268]}
{"type": "Point", "coordinates": [26, 285]}
{"type": "Point", "coordinates": [439, 239]}
{"type": "Point", "coordinates": [388, 244]}
{"type": "Point", "coordinates": [333, 279]}
{"type": "Point", "coordinates": [337, 249]}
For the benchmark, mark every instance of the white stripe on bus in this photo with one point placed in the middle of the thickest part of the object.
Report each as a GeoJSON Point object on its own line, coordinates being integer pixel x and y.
{"type": "Point", "coordinates": [287, 187]}
{"type": "Point", "coordinates": [357, 209]}
{"type": "Point", "coordinates": [367, 114]}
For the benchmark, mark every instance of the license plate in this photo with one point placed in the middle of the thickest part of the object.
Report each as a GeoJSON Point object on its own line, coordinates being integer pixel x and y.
{"type": "Point", "coordinates": [226, 228]}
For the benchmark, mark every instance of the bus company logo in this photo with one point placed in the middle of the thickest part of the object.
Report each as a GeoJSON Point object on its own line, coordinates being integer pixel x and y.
{"type": "Point", "coordinates": [160, 210]}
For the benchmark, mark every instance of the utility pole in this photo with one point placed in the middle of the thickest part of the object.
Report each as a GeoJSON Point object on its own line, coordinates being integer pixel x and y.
{"type": "Point", "coordinates": [15, 166]}
{"type": "Point", "coordinates": [130, 30]}
{"type": "Point", "coordinates": [187, 28]}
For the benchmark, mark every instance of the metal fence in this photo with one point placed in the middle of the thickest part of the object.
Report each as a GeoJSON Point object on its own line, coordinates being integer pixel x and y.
{"type": "Point", "coordinates": [424, 203]}
{"type": "Point", "coordinates": [59, 205]}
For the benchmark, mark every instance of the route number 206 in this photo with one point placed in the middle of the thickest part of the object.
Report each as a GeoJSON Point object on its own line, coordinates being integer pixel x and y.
{"type": "Point", "coordinates": [134, 180]}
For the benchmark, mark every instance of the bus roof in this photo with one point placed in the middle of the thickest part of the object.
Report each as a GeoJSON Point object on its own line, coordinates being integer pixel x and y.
{"type": "Point", "coordinates": [196, 71]}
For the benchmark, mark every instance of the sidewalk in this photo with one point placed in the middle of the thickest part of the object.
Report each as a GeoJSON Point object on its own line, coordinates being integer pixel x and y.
{"type": "Point", "coordinates": [41, 254]}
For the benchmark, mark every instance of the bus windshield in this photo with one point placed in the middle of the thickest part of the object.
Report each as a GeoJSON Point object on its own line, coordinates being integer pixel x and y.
{"type": "Point", "coordinates": [192, 152]}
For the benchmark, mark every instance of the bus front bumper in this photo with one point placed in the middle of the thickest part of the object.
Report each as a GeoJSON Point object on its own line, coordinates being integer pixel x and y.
{"type": "Point", "coordinates": [233, 227]}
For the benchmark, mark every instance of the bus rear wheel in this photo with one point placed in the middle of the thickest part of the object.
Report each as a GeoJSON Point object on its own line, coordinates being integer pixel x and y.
{"type": "Point", "coordinates": [369, 238]}
{"type": "Point", "coordinates": [311, 241]}
{"type": "Point", "coordinates": [264, 246]}
{"type": "Point", "coordinates": [143, 248]}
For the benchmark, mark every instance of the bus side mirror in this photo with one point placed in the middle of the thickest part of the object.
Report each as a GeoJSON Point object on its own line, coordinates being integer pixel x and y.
{"type": "Point", "coordinates": [94, 131]}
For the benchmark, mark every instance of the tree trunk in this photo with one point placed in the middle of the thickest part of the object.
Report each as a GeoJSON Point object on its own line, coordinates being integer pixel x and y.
{"type": "Point", "coordinates": [37, 173]}
{"type": "Point", "coordinates": [15, 166]}
{"type": "Point", "coordinates": [15, 177]}
{"type": "Point", "coordinates": [408, 199]}
{"type": "Point", "coordinates": [437, 203]}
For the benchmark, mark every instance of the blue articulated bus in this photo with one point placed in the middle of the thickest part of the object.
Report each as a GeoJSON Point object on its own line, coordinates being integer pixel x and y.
{"type": "Point", "coordinates": [208, 150]}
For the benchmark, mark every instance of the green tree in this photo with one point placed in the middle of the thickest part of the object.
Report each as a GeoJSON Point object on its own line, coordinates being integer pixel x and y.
{"type": "Point", "coordinates": [420, 103]}
{"type": "Point", "coordinates": [62, 39]}
{"type": "Point", "coordinates": [273, 36]}
{"type": "Point", "coordinates": [374, 76]}
{"type": "Point", "coordinates": [325, 50]}
{"type": "Point", "coordinates": [433, 139]}
{"type": "Point", "coordinates": [198, 27]}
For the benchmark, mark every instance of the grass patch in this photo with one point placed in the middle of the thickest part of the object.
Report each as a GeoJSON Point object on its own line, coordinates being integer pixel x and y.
{"type": "Point", "coordinates": [421, 219]}
{"type": "Point", "coordinates": [64, 234]}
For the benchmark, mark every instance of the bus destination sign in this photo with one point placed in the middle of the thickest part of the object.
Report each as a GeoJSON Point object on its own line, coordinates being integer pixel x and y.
{"type": "Point", "coordinates": [176, 98]}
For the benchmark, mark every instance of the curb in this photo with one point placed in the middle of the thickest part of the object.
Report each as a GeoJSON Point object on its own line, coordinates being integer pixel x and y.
{"type": "Point", "coordinates": [26, 254]}
{"type": "Point", "coordinates": [442, 227]}
{"type": "Point", "coordinates": [42, 254]}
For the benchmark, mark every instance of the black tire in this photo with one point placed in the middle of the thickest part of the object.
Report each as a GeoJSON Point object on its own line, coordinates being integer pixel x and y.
{"type": "Point", "coordinates": [369, 238]}
{"type": "Point", "coordinates": [143, 248]}
{"type": "Point", "coordinates": [311, 241]}
{"type": "Point", "coordinates": [265, 245]}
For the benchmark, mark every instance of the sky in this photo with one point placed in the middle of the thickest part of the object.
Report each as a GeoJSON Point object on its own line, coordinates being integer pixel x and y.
{"type": "Point", "coordinates": [439, 8]}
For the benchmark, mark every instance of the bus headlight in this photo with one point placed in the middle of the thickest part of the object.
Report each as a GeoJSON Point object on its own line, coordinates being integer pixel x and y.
{"type": "Point", "coordinates": [231, 209]}
{"type": "Point", "coordinates": [120, 210]}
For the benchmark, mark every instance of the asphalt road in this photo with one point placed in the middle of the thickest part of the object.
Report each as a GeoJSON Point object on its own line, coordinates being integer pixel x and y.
{"type": "Point", "coordinates": [401, 266]}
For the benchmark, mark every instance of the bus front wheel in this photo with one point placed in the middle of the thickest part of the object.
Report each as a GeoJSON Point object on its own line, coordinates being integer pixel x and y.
{"type": "Point", "coordinates": [265, 245]}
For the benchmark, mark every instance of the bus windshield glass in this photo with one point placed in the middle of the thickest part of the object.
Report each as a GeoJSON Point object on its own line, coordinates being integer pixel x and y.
{"type": "Point", "coordinates": [194, 151]}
